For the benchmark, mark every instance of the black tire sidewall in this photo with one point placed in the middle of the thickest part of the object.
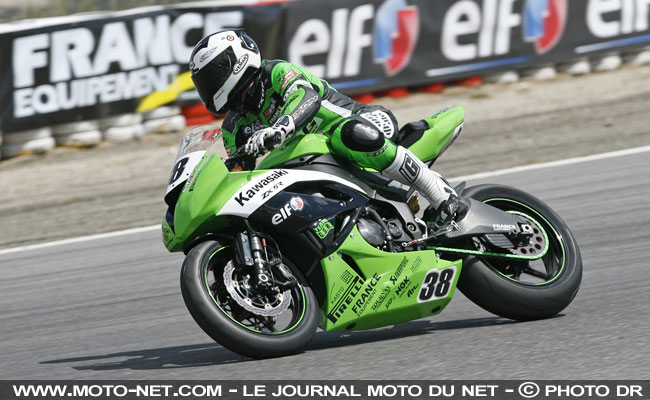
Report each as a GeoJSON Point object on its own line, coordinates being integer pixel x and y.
{"type": "Point", "coordinates": [501, 296]}
{"type": "Point", "coordinates": [224, 330]}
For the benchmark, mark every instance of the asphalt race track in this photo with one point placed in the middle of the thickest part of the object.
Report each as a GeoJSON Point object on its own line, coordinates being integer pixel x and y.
{"type": "Point", "coordinates": [112, 308]}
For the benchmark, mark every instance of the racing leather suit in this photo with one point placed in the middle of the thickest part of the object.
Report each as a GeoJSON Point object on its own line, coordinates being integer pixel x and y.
{"type": "Point", "coordinates": [360, 133]}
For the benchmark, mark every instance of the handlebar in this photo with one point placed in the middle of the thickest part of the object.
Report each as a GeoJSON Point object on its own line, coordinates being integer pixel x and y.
{"type": "Point", "coordinates": [240, 158]}
{"type": "Point", "coordinates": [269, 144]}
{"type": "Point", "coordinates": [273, 141]}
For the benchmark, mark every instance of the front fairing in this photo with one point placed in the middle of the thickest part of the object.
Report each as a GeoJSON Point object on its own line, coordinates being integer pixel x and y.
{"type": "Point", "coordinates": [194, 207]}
{"type": "Point", "coordinates": [196, 212]}
{"type": "Point", "coordinates": [212, 194]}
{"type": "Point", "coordinates": [199, 160]}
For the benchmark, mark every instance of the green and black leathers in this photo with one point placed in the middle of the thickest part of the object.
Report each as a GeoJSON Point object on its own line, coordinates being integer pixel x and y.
{"type": "Point", "coordinates": [365, 135]}
{"type": "Point", "coordinates": [287, 89]}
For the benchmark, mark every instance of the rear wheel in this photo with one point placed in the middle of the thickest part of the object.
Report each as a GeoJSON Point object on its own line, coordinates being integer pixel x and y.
{"type": "Point", "coordinates": [249, 322]}
{"type": "Point", "coordinates": [524, 289]}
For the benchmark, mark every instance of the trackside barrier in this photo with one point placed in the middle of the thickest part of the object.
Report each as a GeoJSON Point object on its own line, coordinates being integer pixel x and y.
{"type": "Point", "coordinates": [196, 114]}
{"type": "Point", "coordinates": [36, 141]}
{"type": "Point", "coordinates": [77, 134]}
{"type": "Point", "coordinates": [164, 120]}
{"type": "Point", "coordinates": [637, 57]}
{"type": "Point", "coordinates": [132, 76]}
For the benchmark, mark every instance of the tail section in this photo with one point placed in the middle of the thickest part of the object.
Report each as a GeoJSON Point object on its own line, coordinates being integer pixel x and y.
{"type": "Point", "coordinates": [428, 138]}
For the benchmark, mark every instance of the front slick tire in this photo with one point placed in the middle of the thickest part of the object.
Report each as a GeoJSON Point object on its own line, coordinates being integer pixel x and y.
{"type": "Point", "coordinates": [219, 320]}
{"type": "Point", "coordinates": [526, 290]}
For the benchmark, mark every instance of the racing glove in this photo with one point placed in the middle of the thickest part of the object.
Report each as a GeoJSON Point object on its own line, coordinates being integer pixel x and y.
{"type": "Point", "coordinates": [267, 139]}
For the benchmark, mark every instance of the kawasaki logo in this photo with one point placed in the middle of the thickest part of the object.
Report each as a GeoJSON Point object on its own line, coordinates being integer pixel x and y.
{"type": "Point", "coordinates": [246, 195]}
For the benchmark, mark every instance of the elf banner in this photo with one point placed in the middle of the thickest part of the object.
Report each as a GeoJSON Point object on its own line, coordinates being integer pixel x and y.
{"type": "Point", "coordinates": [366, 45]}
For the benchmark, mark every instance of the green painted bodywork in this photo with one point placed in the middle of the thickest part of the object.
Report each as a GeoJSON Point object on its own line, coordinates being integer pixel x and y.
{"type": "Point", "coordinates": [436, 139]}
{"type": "Point", "coordinates": [211, 184]}
{"type": "Point", "coordinates": [209, 187]}
{"type": "Point", "coordinates": [295, 147]}
{"type": "Point", "coordinates": [387, 292]}
{"type": "Point", "coordinates": [433, 142]}
{"type": "Point", "coordinates": [366, 287]}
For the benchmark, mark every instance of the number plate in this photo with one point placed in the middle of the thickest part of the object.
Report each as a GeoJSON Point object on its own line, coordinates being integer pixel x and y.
{"type": "Point", "coordinates": [183, 168]}
{"type": "Point", "coordinates": [436, 284]}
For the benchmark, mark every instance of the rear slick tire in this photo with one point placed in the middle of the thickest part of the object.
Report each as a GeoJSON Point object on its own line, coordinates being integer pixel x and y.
{"type": "Point", "coordinates": [487, 283]}
{"type": "Point", "coordinates": [223, 328]}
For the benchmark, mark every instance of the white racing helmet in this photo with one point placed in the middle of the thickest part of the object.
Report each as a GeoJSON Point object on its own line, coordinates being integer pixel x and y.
{"type": "Point", "coordinates": [223, 64]}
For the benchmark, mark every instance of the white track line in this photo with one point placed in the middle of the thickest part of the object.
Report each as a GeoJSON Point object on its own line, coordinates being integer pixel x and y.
{"type": "Point", "coordinates": [80, 239]}
{"type": "Point", "coordinates": [568, 161]}
{"type": "Point", "coordinates": [559, 163]}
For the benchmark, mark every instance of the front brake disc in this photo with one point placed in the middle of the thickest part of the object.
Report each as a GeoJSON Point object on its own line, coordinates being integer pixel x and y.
{"type": "Point", "coordinates": [271, 307]}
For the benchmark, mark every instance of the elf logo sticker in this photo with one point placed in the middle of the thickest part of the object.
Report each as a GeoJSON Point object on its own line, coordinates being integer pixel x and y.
{"type": "Point", "coordinates": [295, 204]}
{"type": "Point", "coordinates": [396, 30]}
{"type": "Point", "coordinates": [544, 22]}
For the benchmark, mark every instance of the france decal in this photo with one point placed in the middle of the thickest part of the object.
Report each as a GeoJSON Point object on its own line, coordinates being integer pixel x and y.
{"type": "Point", "coordinates": [544, 22]}
{"type": "Point", "coordinates": [397, 26]}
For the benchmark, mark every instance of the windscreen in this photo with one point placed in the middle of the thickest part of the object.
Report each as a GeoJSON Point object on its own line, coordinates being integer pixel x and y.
{"type": "Point", "coordinates": [194, 145]}
{"type": "Point", "coordinates": [198, 139]}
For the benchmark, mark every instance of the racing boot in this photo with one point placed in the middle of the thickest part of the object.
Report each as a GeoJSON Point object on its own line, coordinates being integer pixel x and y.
{"type": "Point", "coordinates": [443, 199]}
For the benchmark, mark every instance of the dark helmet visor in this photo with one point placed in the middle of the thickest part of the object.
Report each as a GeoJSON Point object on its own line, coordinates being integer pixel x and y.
{"type": "Point", "coordinates": [211, 78]}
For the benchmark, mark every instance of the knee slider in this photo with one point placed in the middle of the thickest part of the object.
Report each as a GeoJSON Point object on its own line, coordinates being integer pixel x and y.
{"type": "Point", "coordinates": [360, 137]}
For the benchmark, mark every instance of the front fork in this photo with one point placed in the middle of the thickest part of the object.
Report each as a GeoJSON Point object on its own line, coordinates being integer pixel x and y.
{"type": "Point", "coordinates": [252, 254]}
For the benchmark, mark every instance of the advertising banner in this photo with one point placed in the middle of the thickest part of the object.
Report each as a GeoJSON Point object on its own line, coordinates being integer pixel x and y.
{"type": "Point", "coordinates": [86, 67]}
{"type": "Point", "coordinates": [366, 45]}
{"type": "Point", "coordinates": [92, 66]}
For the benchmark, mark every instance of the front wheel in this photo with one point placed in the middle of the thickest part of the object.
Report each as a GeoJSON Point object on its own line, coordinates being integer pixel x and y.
{"type": "Point", "coordinates": [521, 289]}
{"type": "Point", "coordinates": [230, 311]}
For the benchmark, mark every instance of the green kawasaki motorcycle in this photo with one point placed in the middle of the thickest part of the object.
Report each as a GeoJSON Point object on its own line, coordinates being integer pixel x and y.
{"type": "Point", "coordinates": [307, 240]}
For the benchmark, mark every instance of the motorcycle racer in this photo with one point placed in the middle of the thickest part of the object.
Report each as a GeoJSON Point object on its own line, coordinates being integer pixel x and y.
{"type": "Point", "coordinates": [270, 98]}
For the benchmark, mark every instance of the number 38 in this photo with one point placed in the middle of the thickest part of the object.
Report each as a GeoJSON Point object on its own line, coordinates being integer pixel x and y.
{"type": "Point", "coordinates": [436, 284]}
